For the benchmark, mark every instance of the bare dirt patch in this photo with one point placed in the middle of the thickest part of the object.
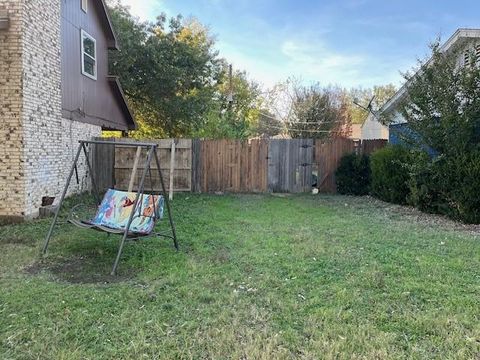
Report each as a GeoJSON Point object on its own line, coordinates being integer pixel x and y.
{"type": "Point", "coordinates": [81, 270]}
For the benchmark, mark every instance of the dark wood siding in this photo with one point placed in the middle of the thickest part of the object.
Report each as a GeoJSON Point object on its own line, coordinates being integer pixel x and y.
{"type": "Point", "coordinates": [85, 99]}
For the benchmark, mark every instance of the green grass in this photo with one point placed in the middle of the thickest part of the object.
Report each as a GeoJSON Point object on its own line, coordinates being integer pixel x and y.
{"type": "Point", "coordinates": [257, 277]}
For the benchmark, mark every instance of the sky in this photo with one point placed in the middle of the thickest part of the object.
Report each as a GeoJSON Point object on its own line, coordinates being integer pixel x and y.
{"type": "Point", "coordinates": [351, 43]}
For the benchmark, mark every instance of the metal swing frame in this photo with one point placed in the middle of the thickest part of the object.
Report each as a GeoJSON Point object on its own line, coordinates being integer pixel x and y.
{"type": "Point", "coordinates": [151, 154]}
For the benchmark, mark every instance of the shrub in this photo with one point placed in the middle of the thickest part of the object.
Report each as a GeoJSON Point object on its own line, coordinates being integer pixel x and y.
{"type": "Point", "coordinates": [424, 191]}
{"type": "Point", "coordinates": [390, 174]}
{"type": "Point", "coordinates": [464, 175]}
{"type": "Point", "coordinates": [353, 175]}
{"type": "Point", "coordinates": [448, 185]}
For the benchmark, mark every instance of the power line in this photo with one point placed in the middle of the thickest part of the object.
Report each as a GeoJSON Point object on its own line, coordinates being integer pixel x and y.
{"type": "Point", "coordinates": [300, 122]}
{"type": "Point", "coordinates": [300, 130]}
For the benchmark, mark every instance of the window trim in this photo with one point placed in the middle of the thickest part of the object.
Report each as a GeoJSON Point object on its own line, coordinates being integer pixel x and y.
{"type": "Point", "coordinates": [83, 35]}
{"type": "Point", "coordinates": [84, 8]}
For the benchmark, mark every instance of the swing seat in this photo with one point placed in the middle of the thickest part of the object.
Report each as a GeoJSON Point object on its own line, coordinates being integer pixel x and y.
{"type": "Point", "coordinates": [114, 212]}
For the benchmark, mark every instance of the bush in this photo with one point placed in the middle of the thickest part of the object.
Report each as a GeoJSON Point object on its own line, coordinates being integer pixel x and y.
{"type": "Point", "coordinates": [390, 174]}
{"type": "Point", "coordinates": [448, 185]}
{"type": "Point", "coordinates": [424, 187]}
{"type": "Point", "coordinates": [353, 175]}
{"type": "Point", "coordinates": [463, 173]}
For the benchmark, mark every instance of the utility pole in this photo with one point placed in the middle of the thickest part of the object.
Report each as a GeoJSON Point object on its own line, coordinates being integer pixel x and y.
{"type": "Point", "coordinates": [230, 90]}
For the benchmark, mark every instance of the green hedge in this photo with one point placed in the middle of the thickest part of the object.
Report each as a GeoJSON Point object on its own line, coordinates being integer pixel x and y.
{"type": "Point", "coordinates": [390, 174]}
{"type": "Point", "coordinates": [353, 175]}
{"type": "Point", "coordinates": [444, 184]}
{"type": "Point", "coordinates": [449, 185]}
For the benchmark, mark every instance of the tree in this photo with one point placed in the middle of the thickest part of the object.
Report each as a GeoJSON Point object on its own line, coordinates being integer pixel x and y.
{"type": "Point", "coordinates": [235, 109]}
{"type": "Point", "coordinates": [318, 113]}
{"type": "Point", "coordinates": [268, 125]}
{"type": "Point", "coordinates": [442, 105]}
{"type": "Point", "coordinates": [169, 70]}
{"type": "Point", "coordinates": [361, 96]}
{"type": "Point", "coordinates": [442, 109]}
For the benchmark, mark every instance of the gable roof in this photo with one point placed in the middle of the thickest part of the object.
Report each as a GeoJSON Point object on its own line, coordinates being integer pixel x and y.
{"type": "Point", "coordinates": [120, 96]}
{"type": "Point", "coordinates": [458, 36]}
{"type": "Point", "coordinates": [112, 38]}
{"type": "Point", "coordinates": [114, 80]}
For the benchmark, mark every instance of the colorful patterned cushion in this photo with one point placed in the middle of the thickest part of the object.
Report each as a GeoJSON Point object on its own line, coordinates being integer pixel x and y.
{"type": "Point", "coordinates": [116, 207]}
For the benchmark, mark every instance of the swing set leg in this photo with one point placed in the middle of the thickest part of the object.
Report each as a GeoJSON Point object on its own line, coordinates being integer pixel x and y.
{"type": "Point", "coordinates": [167, 202]}
{"type": "Point", "coordinates": [65, 189]}
{"type": "Point", "coordinates": [134, 208]}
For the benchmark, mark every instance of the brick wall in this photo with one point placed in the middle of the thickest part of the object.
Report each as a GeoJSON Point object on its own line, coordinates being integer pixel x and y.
{"type": "Point", "coordinates": [38, 144]}
{"type": "Point", "coordinates": [12, 187]}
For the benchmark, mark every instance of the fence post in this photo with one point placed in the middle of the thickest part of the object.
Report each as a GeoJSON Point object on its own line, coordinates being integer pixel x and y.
{"type": "Point", "coordinates": [196, 165]}
{"type": "Point", "coordinates": [172, 170]}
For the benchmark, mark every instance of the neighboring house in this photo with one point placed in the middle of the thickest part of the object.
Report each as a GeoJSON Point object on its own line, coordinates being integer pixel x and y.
{"type": "Point", "coordinates": [464, 41]}
{"type": "Point", "coordinates": [372, 129]}
{"type": "Point", "coordinates": [54, 90]}
{"type": "Point", "coordinates": [355, 132]}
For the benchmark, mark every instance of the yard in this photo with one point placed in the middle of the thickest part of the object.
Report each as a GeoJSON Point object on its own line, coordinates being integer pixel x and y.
{"type": "Point", "coordinates": [258, 276]}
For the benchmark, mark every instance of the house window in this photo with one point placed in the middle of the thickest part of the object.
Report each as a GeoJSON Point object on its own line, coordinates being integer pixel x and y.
{"type": "Point", "coordinates": [84, 4]}
{"type": "Point", "coordinates": [89, 56]}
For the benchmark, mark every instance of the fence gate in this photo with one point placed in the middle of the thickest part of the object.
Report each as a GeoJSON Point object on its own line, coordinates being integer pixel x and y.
{"type": "Point", "coordinates": [290, 165]}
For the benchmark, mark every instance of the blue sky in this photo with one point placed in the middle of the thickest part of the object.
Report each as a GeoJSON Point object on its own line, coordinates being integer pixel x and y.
{"type": "Point", "coordinates": [344, 42]}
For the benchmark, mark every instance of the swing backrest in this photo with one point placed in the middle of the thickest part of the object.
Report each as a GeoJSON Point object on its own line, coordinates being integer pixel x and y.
{"type": "Point", "coordinates": [116, 207]}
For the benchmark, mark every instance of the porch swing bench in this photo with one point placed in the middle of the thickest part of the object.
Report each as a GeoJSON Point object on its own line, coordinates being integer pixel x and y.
{"type": "Point", "coordinates": [130, 214]}
{"type": "Point", "coordinates": [113, 213]}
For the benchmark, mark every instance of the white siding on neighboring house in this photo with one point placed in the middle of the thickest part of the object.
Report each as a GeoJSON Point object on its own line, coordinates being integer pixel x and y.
{"type": "Point", "coordinates": [397, 118]}
{"type": "Point", "coordinates": [372, 129]}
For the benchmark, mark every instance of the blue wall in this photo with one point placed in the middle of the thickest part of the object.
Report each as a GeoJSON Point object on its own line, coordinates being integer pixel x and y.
{"type": "Point", "coordinates": [398, 133]}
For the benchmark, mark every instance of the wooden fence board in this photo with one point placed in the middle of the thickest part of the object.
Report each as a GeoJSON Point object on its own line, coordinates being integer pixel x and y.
{"type": "Point", "coordinates": [103, 162]}
{"type": "Point", "coordinates": [196, 165]}
{"type": "Point", "coordinates": [121, 160]}
{"type": "Point", "coordinates": [290, 165]}
{"type": "Point", "coordinates": [370, 146]}
{"type": "Point", "coordinates": [233, 165]}
{"type": "Point", "coordinates": [327, 158]}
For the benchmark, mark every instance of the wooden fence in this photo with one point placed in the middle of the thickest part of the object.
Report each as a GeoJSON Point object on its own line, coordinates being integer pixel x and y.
{"type": "Point", "coordinates": [293, 165]}
{"type": "Point", "coordinates": [327, 158]}
{"type": "Point", "coordinates": [232, 165]}
{"type": "Point", "coordinates": [113, 166]}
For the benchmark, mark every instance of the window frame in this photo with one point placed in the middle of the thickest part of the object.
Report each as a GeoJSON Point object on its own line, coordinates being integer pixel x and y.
{"type": "Point", "coordinates": [83, 35]}
{"type": "Point", "coordinates": [84, 5]}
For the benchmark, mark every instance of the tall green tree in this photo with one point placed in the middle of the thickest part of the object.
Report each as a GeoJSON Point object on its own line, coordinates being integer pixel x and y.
{"type": "Point", "coordinates": [169, 70]}
{"type": "Point", "coordinates": [235, 110]}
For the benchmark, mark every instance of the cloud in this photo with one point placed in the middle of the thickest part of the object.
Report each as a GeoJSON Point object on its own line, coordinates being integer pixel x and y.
{"type": "Point", "coordinates": [318, 62]}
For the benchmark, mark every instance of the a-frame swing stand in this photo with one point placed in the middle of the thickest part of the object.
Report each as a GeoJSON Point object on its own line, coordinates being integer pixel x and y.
{"type": "Point", "coordinates": [151, 155]}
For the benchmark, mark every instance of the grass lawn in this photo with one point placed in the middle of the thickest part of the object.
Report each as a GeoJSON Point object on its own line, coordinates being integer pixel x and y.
{"type": "Point", "coordinates": [257, 277]}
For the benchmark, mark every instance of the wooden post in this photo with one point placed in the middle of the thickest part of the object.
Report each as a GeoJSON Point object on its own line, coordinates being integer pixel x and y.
{"type": "Point", "coordinates": [172, 169]}
{"type": "Point", "coordinates": [135, 167]}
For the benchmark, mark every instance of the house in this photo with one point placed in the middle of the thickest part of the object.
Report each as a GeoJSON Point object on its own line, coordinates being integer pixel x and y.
{"type": "Point", "coordinates": [352, 131]}
{"type": "Point", "coordinates": [464, 41]}
{"type": "Point", "coordinates": [372, 129]}
{"type": "Point", "coordinates": [54, 90]}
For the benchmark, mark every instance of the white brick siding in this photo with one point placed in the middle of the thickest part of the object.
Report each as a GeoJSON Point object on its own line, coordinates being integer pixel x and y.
{"type": "Point", "coordinates": [36, 143]}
